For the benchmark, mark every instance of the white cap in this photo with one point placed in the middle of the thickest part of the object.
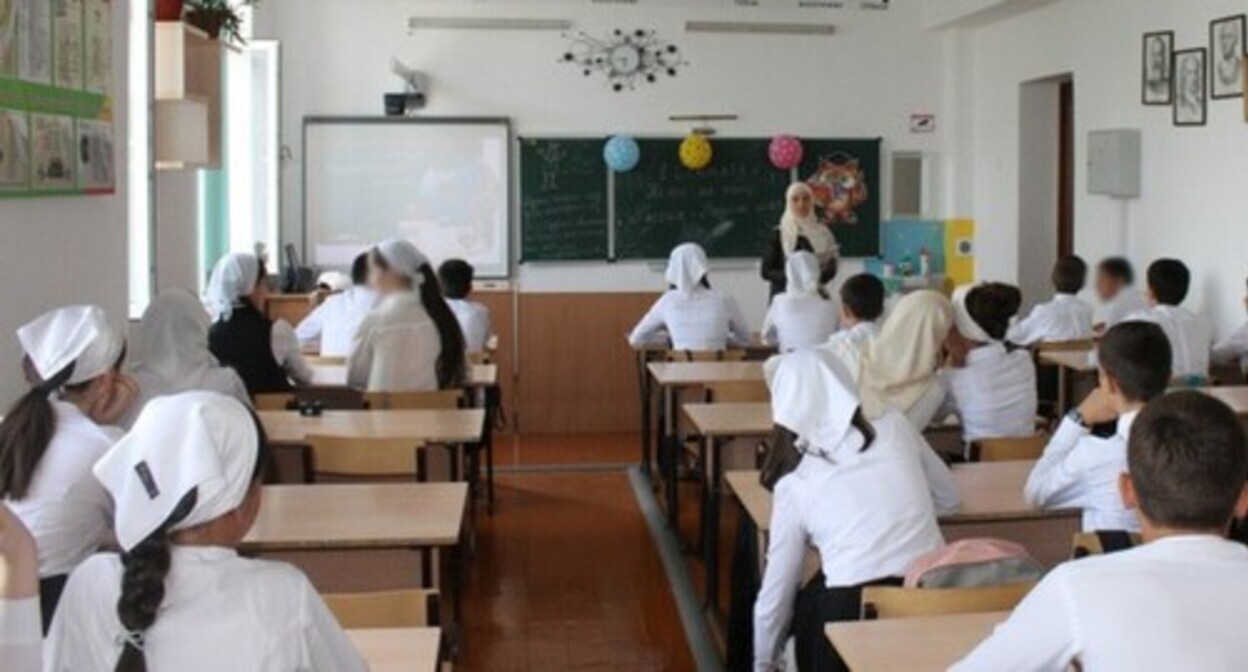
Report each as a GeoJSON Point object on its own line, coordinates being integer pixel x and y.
{"type": "Point", "coordinates": [686, 267]}
{"type": "Point", "coordinates": [334, 281]}
{"type": "Point", "coordinates": [813, 396]}
{"type": "Point", "coordinates": [403, 258]}
{"type": "Point", "coordinates": [962, 317]}
{"type": "Point", "coordinates": [200, 441]}
{"type": "Point", "coordinates": [78, 335]}
{"type": "Point", "coordinates": [234, 276]}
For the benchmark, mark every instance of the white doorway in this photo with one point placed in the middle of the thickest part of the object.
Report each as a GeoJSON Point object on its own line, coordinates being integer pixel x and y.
{"type": "Point", "coordinates": [1045, 182]}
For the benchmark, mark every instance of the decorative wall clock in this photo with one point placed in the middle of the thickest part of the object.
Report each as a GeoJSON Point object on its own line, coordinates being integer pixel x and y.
{"type": "Point", "coordinates": [625, 58]}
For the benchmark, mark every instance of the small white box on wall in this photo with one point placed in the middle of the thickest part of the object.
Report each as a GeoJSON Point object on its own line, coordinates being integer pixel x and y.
{"type": "Point", "coordinates": [1114, 163]}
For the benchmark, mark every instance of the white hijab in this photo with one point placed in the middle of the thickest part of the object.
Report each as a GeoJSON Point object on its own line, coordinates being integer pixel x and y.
{"type": "Point", "coordinates": [78, 335]}
{"type": "Point", "coordinates": [802, 271]}
{"type": "Point", "coordinates": [199, 441]}
{"type": "Point", "coordinates": [234, 276]}
{"type": "Point", "coordinates": [966, 324]}
{"type": "Point", "coordinates": [686, 268]}
{"type": "Point", "coordinates": [404, 258]}
{"type": "Point", "coordinates": [813, 396]}
{"type": "Point", "coordinates": [900, 364]}
{"type": "Point", "coordinates": [171, 344]}
{"type": "Point", "coordinates": [793, 227]}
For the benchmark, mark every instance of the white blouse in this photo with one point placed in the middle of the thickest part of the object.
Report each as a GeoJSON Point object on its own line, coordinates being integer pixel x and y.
{"type": "Point", "coordinates": [288, 353]}
{"type": "Point", "coordinates": [800, 321]}
{"type": "Point", "coordinates": [1189, 336]}
{"type": "Point", "coordinates": [332, 326]}
{"type": "Point", "coordinates": [474, 320]}
{"type": "Point", "coordinates": [396, 348]}
{"type": "Point", "coordinates": [994, 394]}
{"type": "Point", "coordinates": [21, 635]}
{"type": "Point", "coordinates": [66, 510]}
{"type": "Point", "coordinates": [868, 519]}
{"type": "Point", "coordinates": [703, 320]}
{"type": "Point", "coordinates": [1080, 471]}
{"type": "Point", "coordinates": [1065, 318]}
{"type": "Point", "coordinates": [1233, 348]}
{"type": "Point", "coordinates": [1178, 603]}
{"type": "Point", "coordinates": [220, 612]}
{"type": "Point", "coordinates": [1119, 308]}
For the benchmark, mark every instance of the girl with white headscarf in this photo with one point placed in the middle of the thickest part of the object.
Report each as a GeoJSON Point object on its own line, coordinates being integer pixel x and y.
{"type": "Point", "coordinates": [50, 438]}
{"type": "Point", "coordinates": [691, 315]}
{"type": "Point", "coordinates": [804, 316]}
{"type": "Point", "coordinates": [186, 482]}
{"type": "Point", "coordinates": [799, 231]}
{"type": "Point", "coordinates": [170, 353]}
{"type": "Point", "coordinates": [264, 353]}
{"type": "Point", "coordinates": [864, 493]}
{"type": "Point", "coordinates": [411, 342]}
{"type": "Point", "coordinates": [991, 386]}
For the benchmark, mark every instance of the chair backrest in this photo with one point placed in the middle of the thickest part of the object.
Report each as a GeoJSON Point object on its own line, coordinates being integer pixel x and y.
{"type": "Point", "coordinates": [274, 401]}
{"type": "Point", "coordinates": [386, 609]}
{"type": "Point", "coordinates": [317, 360]}
{"type": "Point", "coordinates": [1007, 450]}
{"type": "Point", "coordinates": [891, 602]}
{"type": "Point", "coordinates": [1085, 344]}
{"type": "Point", "coordinates": [705, 355]}
{"type": "Point", "coordinates": [1102, 542]}
{"type": "Point", "coordinates": [483, 357]}
{"type": "Point", "coordinates": [738, 392]}
{"type": "Point", "coordinates": [442, 400]}
{"type": "Point", "coordinates": [349, 456]}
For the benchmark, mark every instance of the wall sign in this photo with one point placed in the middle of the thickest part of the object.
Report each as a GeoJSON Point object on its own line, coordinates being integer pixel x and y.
{"type": "Point", "coordinates": [922, 123]}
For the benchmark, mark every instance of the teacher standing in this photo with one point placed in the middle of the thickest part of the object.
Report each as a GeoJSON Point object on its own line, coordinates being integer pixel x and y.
{"type": "Point", "coordinates": [799, 231]}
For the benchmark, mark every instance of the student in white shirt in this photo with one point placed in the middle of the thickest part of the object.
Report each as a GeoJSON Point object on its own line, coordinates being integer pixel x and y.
{"type": "Point", "coordinates": [1233, 348]}
{"type": "Point", "coordinates": [1189, 334]}
{"type": "Point", "coordinates": [864, 493]}
{"type": "Point", "coordinates": [862, 304]}
{"type": "Point", "coordinates": [1066, 317]}
{"type": "Point", "coordinates": [170, 354]}
{"type": "Point", "coordinates": [186, 481]}
{"type": "Point", "coordinates": [265, 353]}
{"type": "Point", "coordinates": [992, 388]}
{"type": "Point", "coordinates": [456, 276]}
{"type": "Point", "coordinates": [1079, 470]}
{"type": "Point", "coordinates": [21, 638]}
{"type": "Point", "coordinates": [1115, 288]}
{"type": "Point", "coordinates": [804, 315]}
{"type": "Point", "coordinates": [902, 364]}
{"type": "Point", "coordinates": [690, 314]}
{"type": "Point", "coordinates": [1179, 601]}
{"type": "Point", "coordinates": [331, 327]}
{"type": "Point", "coordinates": [411, 342]}
{"type": "Point", "coordinates": [50, 438]}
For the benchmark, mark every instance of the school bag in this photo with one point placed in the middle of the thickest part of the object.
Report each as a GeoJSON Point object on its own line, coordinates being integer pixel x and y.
{"type": "Point", "coordinates": [972, 563]}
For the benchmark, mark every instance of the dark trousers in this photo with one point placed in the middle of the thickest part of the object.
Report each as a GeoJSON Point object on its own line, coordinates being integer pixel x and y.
{"type": "Point", "coordinates": [50, 590]}
{"type": "Point", "coordinates": [816, 606]}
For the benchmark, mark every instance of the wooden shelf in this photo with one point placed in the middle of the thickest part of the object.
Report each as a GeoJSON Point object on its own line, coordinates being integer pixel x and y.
{"type": "Point", "coordinates": [189, 68]}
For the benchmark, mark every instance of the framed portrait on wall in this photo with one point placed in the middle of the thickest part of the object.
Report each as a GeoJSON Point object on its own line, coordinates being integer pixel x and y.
{"type": "Point", "coordinates": [1190, 94]}
{"type": "Point", "coordinates": [1226, 56]}
{"type": "Point", "coordinates": [1157, 59]}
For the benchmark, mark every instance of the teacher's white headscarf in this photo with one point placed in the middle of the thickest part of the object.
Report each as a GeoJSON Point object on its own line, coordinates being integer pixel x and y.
{"type": "Point", "coordinates": [794, 226]}
{"type": "Point", "coordinates": [686, 267]}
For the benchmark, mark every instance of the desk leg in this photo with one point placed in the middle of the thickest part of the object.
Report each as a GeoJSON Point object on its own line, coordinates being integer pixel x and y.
{"type": "Point", "coordinates": [671, 456]}
{"type": "Point", "coordinates": [449, 572]}
{"type": "Point", "coordinates": [647, 403]}
{"type": "Point", "coordinates": [1063, 390]}
{"type": "Point", "coordinates": [711, 507]}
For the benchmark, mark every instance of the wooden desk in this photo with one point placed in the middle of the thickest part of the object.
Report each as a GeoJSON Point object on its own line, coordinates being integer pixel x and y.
{"type": "Point", "coordinates": [1069, 363]}
{"type": "Point", "coordinates": [730, 421]}
{"type": "Point", "coordinates": [928, 644]}
{"type": "Point", "coordinates": [398, 649]}
{"type": "Point", "coordinates": [1235, 397]}
{"type": "Point", "coordinates": [335, 375]}
{"type": "Point", "coordinates": [433, 426]}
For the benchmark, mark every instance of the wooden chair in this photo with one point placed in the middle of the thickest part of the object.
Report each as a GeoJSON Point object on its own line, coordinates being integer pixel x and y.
{"type": "Point", "coordinates": [1008, 450]}
{"type": "Point", "coordinates": [357, 458]}
{"type": "Point", "coordinates": [1102, 542]}
{"type": "Point", "coordinates": [705, 355]}
{"type": "Point", "coordinates": [317, 360]}
{"type": "Point", "coordinates": [1086, 344]}
{"type": "Point", "coordinates": [331, 399]}
{"type": "Point", "coordinates": [881, 602]}
{"type": "Point", "coordinates": [739, 392]}
{"type": "Point", "coordinates": [412, 608]}
{"type": "Point", "coordinates": [442, 400]}
{"type": "Point", "coordinates": [483, 357]}
{"type": "Point", "coordinates": [274, 401]}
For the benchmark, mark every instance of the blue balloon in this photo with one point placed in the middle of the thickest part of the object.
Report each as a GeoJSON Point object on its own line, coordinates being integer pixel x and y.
{"type": "Point", "coordinates": [622, 153]}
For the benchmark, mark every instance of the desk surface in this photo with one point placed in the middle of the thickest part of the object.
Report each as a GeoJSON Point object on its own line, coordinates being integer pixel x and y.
{"type": "Point", "coordinates": [730, 420]}
{"type": "Point", "coordinates": [703, 373]}
{"type": "Point", "coordinates": [335, 375]}
{"type": "Point", "coordinates": [433, 426]}
{"type": "Point", "coordinates": [925, 644]}
{"type": "Point", "coordinates": [398, 649]}
{"type": "Point", "coordinates": [389, 515]}
{"type": "Point", "coordinates": [991, 492]}
{"type": "Point", "coordinates": [1080, 361]}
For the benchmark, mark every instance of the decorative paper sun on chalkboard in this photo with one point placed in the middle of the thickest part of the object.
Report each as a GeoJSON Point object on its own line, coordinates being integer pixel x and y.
{"type": "Point", "coordinates": [625, 58]}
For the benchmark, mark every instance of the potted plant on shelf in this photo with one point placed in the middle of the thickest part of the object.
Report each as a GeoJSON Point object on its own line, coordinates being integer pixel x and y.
{"type": "Point", "coordinates": [169, 10]}
{"type": "Point", "coordinates": [218, 18]}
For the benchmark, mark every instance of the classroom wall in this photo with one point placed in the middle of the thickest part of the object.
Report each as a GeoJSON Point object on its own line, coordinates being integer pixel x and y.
{"type": "Point", "coordinates": [1193, 204]}
{"type": "Point", "coordinates": [58, 251]}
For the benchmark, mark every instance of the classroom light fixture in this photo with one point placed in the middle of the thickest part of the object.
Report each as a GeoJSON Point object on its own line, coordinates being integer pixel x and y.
{"type": "Point", "coordinates": [484, 23]}
{"type": "Point", "coordinates": [760, 28]}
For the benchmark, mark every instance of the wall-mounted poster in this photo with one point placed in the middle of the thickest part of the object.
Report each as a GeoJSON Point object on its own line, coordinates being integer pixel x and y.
{"type": "Point", "coordinates": [1190, 97]}
{"type": "Point", "coordinates": [56, 110]}
{"type": "Point", "coordinates": [1226, 51]}
{"type": "Point", "coordinates": [1158, 53]}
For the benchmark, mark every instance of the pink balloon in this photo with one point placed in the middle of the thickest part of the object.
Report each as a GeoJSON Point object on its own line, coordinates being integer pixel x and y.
{"type": "Point", "coordinates": [785, 152]}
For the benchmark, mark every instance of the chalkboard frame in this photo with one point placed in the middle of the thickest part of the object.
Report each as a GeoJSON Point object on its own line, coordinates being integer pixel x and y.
{"type": "Point", "coordinates": [505, 122]}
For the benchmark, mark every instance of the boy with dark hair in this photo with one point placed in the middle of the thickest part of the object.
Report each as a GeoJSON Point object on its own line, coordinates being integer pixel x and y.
{"type": "Point", "coordinates": [1080, 470]}
{"type": "Point", "coordinates": [1066, 317]}
{"type": "Point", "coordinates": [456, 276]}
{"type": "Point", "coordinates": [330, 329]}
{"type": "Point", "coordinates": [1189, 334]}
{"type": "Point", "coordinates": [1179, 601]}
{"type": "Point", "coordinates": [1115, 288]}
{"type": "Point", "coordinates": [862, 304]}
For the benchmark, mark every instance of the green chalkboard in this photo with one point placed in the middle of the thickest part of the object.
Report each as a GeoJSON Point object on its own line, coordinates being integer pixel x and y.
{"type": "Point", "coordinates": [846, 173]}
{"type": "Point", "coordinates": [729, 208]}
{"type": "Point", "coordinates": [563, 200]}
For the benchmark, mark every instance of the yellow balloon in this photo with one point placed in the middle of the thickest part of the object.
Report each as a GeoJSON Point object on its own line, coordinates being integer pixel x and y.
{"type": "Point", "coordinates": [696, 152]}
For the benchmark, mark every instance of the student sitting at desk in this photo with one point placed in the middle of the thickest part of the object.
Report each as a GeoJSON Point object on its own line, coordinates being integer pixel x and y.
{"type": "Point", "coordinates": [264, 353]}
{"type": "Point", "coordinates": [1178, 602]}
{"type": "Point", "coordinates": [992, 388]}
{"type": "Point", "coordinates": [690, 314]}
{"type": "Point", "coordinates": [1190, 341]}
{"type": "Point", "coordinates": [902, 364]}
{"type": "Point", "coordinates": [186, 482]}
{"type": "Point", "coordinates": [332, 325]}
{"type": "Point", "coordinates": [857, 484]}
{"type": "Point", "coordinates": [1115, 287]}
{"type": "Point", "coordinates": [411, 342]}
{"type": "Point", "coordinates": [456, 276]}
{"type": "Point", "coordinates": [1233, 348]}
{"type": "Point", "coordinates": [54, 433]}
{"type": "Point", "coordinates": [1079, 470]}
{"type": "Point", "coordinates": [804, 315]}
{"type": "Point", "coordinates": [1066, 317]}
